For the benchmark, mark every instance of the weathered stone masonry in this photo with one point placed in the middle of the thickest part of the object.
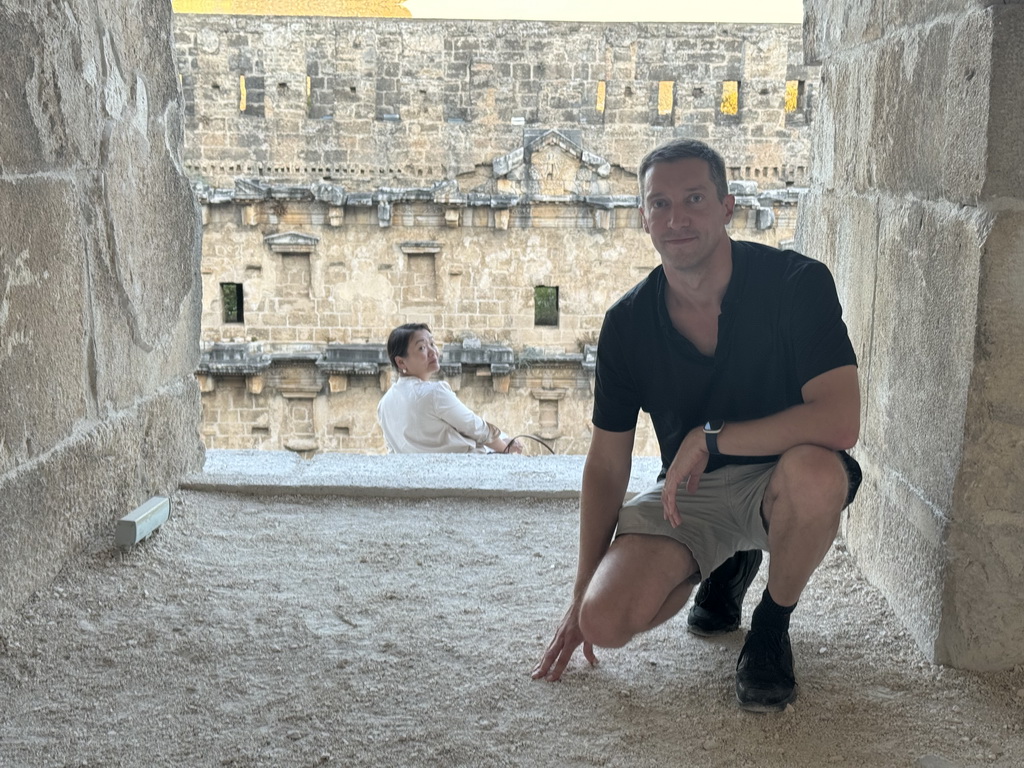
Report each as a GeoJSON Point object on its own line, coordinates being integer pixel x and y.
{"type": "Point", "coordinates": [917, 205]}
{"type": "Point", "coordinates": [99, 285]}
{"type": "Point", "coordinates": [457, 173]}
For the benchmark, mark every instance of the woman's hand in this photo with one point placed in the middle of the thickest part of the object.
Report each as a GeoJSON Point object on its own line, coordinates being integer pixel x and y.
{"type": "Point", "coordinates": [513, 446]}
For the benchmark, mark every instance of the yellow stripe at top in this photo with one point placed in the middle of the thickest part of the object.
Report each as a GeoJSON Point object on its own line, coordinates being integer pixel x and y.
{"type": "Point", "coordinates": [364, 8]}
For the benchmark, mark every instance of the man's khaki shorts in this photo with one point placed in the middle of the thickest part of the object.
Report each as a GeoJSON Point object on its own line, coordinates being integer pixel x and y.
{"type": "Point", "coordinates": [721, 518]}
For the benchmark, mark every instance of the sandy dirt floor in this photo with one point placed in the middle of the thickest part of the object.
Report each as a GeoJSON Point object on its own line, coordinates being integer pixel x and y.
{"type": "Point", "coordinates": [353, 632]}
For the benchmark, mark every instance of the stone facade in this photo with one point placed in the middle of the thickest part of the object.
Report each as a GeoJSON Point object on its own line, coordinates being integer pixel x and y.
{"type": "Point", "coordinates": [462, 174]}
{"type": "Point", "coordinates": [918, 204]}
{"type": "Point", "coordinates": [99, 280]}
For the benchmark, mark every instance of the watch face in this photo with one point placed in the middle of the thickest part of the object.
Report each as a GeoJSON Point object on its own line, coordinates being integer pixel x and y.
{"type": "Point", "coordinates": [714, 426]}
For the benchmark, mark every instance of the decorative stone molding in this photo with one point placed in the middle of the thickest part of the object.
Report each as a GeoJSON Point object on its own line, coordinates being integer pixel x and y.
{"type": "Point", "coordinates": [384, 213]}
{"type": "Point", "coordinates": [418, 247]}
{"type": "Point", "coordinates": [522, 177]}
{"type": "Point", "coordinates": [470, 351]}
{"type": "Point", "coordinates": [233, 359]}
{"type": "Point", "coordinates": [589, 364]}
{"type": "Point", "coordinates": [304, 446]}
{"type": "Point", "coordinates": [548, 394]}
{"type": "Point", "coordinates": [328, 193]}
{"type": "Point", "coordinates": [339, 361]}
{"type": "Point", "coordinates": [291, 242]}
{"type": "Point", "coordinates": [353, 359]}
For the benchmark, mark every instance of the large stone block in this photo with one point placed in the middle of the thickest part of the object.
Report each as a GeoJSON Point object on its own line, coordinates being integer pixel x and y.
{"type": "Point", "coordinates": [99, 279]}
{"type": "Point", "coordinates": [96, 476]}
{"type": "Point", "coordinates": [55, 94]}
{"type": "Point", "coordinates": [924, 128]}
{"type": "Point", "coordinates": [1004, 170]}
{"type": "Point", "coordinates": [988, 515]}
{"type": "Point", "coordinates": [842, 231]}
{"type": "Point", "coordinates": [922, 348]}
{"type": "Point", "coordinates": [830, 27]}
{"type": "Point", "coordinates": [897, 536]}
{"type": "Point", "coordinates": [46, 360]}
{"type": "Point", "coordinates": [906, 13]}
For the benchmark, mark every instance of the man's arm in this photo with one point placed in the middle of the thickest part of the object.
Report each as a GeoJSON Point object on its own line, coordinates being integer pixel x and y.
{"type": "Point", "coordinates": [829, 416]}
{"type": "Point", "coordinates": [605, 479]}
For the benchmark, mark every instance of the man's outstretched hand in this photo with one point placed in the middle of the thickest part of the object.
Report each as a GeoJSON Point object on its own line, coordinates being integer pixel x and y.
{"type": "Point", "coordinates": [567, 639]}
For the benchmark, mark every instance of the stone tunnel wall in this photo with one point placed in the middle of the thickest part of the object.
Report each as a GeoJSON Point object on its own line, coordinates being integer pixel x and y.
{"type": "Point", "coordinates": [916, 203]}
{"type": "Point", "coordinates": [99, 279]}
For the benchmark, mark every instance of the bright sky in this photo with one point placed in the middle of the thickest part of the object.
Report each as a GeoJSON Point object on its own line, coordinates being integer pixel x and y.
{"type": "Point", "coordinates": [749, 11]}
{"type": "Point", "coordinates": [743, 11]}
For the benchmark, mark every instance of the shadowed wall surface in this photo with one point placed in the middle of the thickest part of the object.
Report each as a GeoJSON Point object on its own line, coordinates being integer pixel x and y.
{"type": "Point", "coordinates": [917, 204]}
{"type": "Point", "coordinates": [99, 281]}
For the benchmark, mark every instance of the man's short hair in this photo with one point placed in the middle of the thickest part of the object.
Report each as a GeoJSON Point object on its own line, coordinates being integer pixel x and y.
{"type": "Point", "coordinates": [680, 149]}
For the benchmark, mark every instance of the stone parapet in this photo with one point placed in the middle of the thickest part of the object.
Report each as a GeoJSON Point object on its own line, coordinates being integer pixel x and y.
{"type": "Point", "coordinates": [322, 399]}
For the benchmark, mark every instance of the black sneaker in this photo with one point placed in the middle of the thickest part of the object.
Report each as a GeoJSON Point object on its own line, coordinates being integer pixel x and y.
{"type": "Point", "coordinates": [719, 602]}
{"type": "Point", "coordinates": [764, 672]}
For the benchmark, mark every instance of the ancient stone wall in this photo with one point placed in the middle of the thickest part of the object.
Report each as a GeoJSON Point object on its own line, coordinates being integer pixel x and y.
{"type": "Point", "coordinates": [918, 206]}
{"type": "Point", "coordinates": [477, 176]}
{"type": "Point", "coordinates": [385, 102]}
{"type": "Point", "coordinates": [99, 284]}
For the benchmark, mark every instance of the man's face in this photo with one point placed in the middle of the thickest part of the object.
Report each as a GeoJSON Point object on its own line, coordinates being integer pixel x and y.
{"type": "Point", "coordinates": [682, 213]}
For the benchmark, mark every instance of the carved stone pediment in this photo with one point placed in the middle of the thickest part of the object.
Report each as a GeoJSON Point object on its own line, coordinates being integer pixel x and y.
{"type": "Point", "coordinates": [552, 164]}
{"type": "Point", "coordinates": [291, 242]}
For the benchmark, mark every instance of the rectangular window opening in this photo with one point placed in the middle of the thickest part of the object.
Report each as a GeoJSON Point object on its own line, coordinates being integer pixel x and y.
{"type": "Point", "coordinates": [794, 95]}
{"type": "Point", "coordinates": [545, 305]}
{"type": "Point", "coordinates": [730, 104]}
{"type": "Point", "coordinates": [231, 299]}
{"type": "Point", "coordinates": [241, 93]}
{"type": "Point", "coordinates": [601, 86]}
{"type": "Point", "coordinates": [665, 91]}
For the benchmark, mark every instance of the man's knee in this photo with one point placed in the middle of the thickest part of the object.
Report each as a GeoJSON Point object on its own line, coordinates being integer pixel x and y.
{"type": "Point", "coordinates": [812, 476]}
{"type": "Point", "coordinates": [601, 625]}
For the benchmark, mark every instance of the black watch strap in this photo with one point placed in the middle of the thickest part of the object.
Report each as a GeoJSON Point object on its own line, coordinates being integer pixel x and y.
{"type": "Point", "coordinates": [711, 430]}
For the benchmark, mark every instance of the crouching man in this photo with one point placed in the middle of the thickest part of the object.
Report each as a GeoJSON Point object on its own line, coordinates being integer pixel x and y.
{"type": "Point", "coordinates": [739, 353]}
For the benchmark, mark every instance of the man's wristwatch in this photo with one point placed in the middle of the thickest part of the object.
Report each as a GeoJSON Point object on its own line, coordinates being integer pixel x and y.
{"type": "Point", "coordinates": [711, 430]}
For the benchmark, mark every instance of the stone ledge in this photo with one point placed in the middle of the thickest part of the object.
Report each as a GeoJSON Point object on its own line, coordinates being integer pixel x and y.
{"type": "Point", "coordinates": [431, 475]}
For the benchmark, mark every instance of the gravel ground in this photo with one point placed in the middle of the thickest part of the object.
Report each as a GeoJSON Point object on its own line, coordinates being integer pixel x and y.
{"type": "Point", "coordinates": [301, 631]}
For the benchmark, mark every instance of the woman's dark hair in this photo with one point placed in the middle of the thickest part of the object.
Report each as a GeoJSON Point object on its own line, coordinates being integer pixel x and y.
{"type": "Point", "coordinates": [398, 341]}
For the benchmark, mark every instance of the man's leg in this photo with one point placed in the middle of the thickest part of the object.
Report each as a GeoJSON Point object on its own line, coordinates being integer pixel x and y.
{"type": "Point", "coordinates": [718, 605]}
{"type": "Point", "coordinates": [801, 508]}
{"type": "Point", "coordinates": [641, 582]}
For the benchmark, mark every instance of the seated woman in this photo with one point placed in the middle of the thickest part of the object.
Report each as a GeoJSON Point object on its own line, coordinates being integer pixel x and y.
{"type": "Point", "coordinates": [423, 416]}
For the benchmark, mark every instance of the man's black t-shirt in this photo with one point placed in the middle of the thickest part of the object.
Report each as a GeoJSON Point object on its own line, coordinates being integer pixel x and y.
{"type": "Point", "coordinates": [780, 326]}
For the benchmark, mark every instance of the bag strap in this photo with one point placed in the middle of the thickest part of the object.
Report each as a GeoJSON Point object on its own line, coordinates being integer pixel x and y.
{"type": "Point", "coordinates": [532, 437]}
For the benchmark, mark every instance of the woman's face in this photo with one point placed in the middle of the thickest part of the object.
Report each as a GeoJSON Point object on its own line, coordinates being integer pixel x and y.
{"type": "Point", "coordinates": [421, 358]}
